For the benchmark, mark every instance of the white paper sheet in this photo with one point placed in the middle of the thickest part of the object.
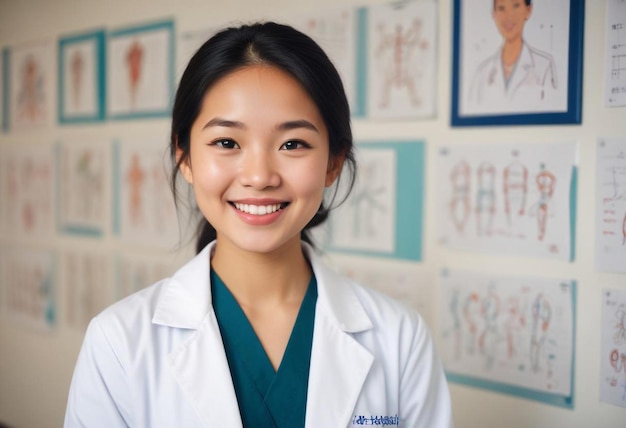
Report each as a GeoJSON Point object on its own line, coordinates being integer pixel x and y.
{"type": "Point", "coordinates": [402, 59]}
{"type": "Point", "coordinates": [615, 65]}
{"type": "Point", "coordinates": [28, 279]}
{"type": "Point", "coordinates": [611, 205]}
{"type": "Point", "coordinates": [511, 330]}
{"type": "Point", "coordinates": [613, 356]}
{"type": "Point", "coordinates": [507, 198]}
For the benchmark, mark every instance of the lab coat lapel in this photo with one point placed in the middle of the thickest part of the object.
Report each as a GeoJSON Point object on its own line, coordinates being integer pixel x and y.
{"type": "Point", "coordinates": [201, 369]}
{"type": "Point", "coordinates": [524, 67]}
{"type": "Point", "coordinates": [339, 364]}
{"type": "Point", "coordinates": [199, 365]}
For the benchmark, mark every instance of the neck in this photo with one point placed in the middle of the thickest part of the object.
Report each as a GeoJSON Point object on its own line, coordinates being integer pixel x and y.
{"type": "Point", "coordinates": [512, 50]}
{"type": "Point", "coordinates": [257, 279]}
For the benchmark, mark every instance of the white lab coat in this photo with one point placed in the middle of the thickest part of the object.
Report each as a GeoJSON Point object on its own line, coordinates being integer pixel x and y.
{"type": "Point", "coordinates": [156, 359]}
{"type": "Point", "coordinates": [531, 87]}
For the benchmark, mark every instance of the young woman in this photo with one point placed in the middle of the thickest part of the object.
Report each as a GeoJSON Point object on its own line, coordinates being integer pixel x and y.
{"type": "Point", "coordinates": [255, 331]}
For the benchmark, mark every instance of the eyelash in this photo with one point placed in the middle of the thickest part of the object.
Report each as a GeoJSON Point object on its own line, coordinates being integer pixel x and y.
{"type": "Point", "coordinates": [221, 141]}
{"type": "Point", "coordinates": [300, 144]}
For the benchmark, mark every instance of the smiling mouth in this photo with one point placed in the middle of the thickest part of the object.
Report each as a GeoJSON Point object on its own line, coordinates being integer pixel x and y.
{"type": "Point", "coordinates": [259, 209]}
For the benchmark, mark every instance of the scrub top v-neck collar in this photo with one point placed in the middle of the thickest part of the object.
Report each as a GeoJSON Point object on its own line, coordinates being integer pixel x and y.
{"type": "Point", "coordinates": [266, 398]}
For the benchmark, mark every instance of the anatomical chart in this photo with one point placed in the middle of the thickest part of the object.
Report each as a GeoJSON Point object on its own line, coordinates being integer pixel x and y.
{"type": "Point", "coordinates": [27, 177]}
{"type": "Point", "coordinates": [83, 179]}
{"type": "Point", "coordinates": [32, 86]}
{"type": "Point", "coordinates": [509, 199]}
{"type": "Point", "coordinates": [335, 30]}
{"type": "Point", "coordinates": [382, 216]}
{"type": "Point", "coordinates": [611, 206]}
{"type": "Point", "coordinates": [613, 358]}
{"type": "Point", "coordinates": [28, 279]}
{"type": "Point", "coordinates": [89, 286]}
{"type": "Point", "coordinates": [145, 211]}
{"type": "Point", "coordinates": [509, 334]}
{"type": "Point", "coordinates": [401, 60]}
{"type": "Point", "coordinates": [138, 270]}
{"type": "Point", "coordinates": [140, 71]}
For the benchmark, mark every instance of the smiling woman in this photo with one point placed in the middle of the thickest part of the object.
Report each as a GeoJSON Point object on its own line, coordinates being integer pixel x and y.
{"type": "Point", "coordinates": [256, 331]}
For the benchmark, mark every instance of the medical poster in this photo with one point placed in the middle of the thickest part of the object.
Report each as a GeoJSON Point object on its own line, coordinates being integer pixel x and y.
{"type": "Point", "coordinates": [508, 198]}
{"type": "Point", "coordinates": [533, 79]}
{"type": "Point", "coordinates": [145, 213]}
{"type": "Point", "coordinates": [31, 85]}
{"type": "Point", "coordinates": [336, 31]}
{"type": "Point", "coordinates": [83, 185]}
{"type": "Point", "coordinates": [382, 216]}
{"type": "Point", "coordinates": [27, 179]}
{"type": "Point", "coordinates": [135, 271]}
{"type": "Point", "coordinates": [513, 335]}
{"type": "Point", "coordinates": [615, 48]}
{"type": "Point", "coordinates": [611, 206]}
{"type": "Point", "coordinates": [140, 71]}
{"type": "Point", "coordinates": [89, 285]}
{"type": "Point", "coordinates": [613, 357]}
{"type": "Point", "coordinates": [28, 281]}
{"type": "Point", "coordinates": [402, 60]}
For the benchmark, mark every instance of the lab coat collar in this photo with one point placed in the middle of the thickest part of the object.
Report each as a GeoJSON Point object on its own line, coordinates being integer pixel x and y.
{"type": "Point", "coordinates": [186, 296]}
{"type": "Point", "coordinates": [339, 363]}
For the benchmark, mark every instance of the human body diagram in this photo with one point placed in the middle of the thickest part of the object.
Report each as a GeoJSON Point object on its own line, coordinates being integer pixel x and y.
{"type": "Point", "coordinates": [514, 330]}
{"type": "Point", "coordinates": [613, 357]}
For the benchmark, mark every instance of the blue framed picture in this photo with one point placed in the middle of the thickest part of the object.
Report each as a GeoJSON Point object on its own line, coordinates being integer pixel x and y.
{"type": "Point", "coordinates": [517, 65]}
{"type": "Point", "coordinates": [81, 78]}
{"type": "Point", "coordinates": [140, 71]}
{"type": "Point", "coordinates": [383, 214]}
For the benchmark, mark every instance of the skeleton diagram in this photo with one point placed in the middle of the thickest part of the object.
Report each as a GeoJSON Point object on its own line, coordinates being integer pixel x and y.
{"type": "Point", "coordinates": [396, 53]}
{"type": "Point", "coordinates": [485, 198]}
{"type": "Point", "coordinates": [515, 187]}
{"type": "Point", "coordinates": [460, 201]}
{"type": "Point", "coordinates": [546, 181]}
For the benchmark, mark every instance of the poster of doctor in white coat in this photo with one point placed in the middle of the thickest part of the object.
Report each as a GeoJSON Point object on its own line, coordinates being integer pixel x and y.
{"type": "Point", "coordinates": [514, 56]}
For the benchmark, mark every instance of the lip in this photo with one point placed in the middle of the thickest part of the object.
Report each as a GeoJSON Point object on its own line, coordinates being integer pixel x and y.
{"type": "Point", "coordinates": [259, 220]}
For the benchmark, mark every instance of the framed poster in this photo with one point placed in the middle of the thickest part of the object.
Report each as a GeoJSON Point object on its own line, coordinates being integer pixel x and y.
{"type": "Point", "coordinates": [81, 78]}
{"type": "Point", "coordinates": [517, 62]}
{"type": "Point", "coordinates": [30, 90]}
{"type": "Point", "coordinates": [509, 334]}
{"type": "Point", "coordinates": [382, 216]}
{"type": "Point", "coordinates": [140, 71]}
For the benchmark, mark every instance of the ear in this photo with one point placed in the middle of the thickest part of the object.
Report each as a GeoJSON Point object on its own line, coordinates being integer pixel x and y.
{"type": "Point", "coordinates": [335, 165]}
{"type": "Point", "coordinates": [185, 165]}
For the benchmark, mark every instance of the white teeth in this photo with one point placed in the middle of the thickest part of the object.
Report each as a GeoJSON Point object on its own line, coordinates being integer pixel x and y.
{"type": "Point", "coordinates": [257, 209]}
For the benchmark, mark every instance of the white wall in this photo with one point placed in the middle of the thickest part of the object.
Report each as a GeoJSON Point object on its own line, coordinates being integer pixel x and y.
{"type": "Point", "coordinates": [35, 369]}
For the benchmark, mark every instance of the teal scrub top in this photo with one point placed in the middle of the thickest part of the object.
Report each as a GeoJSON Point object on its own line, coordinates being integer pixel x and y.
{"type": "Point", "coordinates": [267, 398]}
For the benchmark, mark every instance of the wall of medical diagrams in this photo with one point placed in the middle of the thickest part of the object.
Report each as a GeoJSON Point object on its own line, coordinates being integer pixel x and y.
{"type": "Point", "coordinates": [31, 85]}
{"type": "Point", "coordinates": [401, 60]}
{"type": "Point", "coordinates": [508, 198]}
{"type": "Point", "coordinates": [538, 78]}
{"type": "Point", "coordinates": [613, 350]}
{"type": "Point", "coordinates": [29, 286]}
{"type": "Point", "coordinates": [83, 176]}
{"type": "Point", "coordinates": [615, 63]}
{"type": "Point", "coordinates": [27, 174]}
{"type": "Point", "coordinates": [145, 213]}
{"type": "Point", "coordinates": [513, 335]}
{"type": "Point", "coordinates": [135, 271]}
{"type": "Point", "coordinates": [81, 77]}
{"type": "Point", "coordinates": [140, 69]}
{"type": "Point", "coordinates": [382, 216]}
{"type": "Point", "coordinates": [611, 205]}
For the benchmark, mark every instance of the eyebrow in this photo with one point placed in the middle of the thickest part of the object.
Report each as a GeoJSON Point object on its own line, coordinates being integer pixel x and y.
{"type": "Point", "coordinates": [285, 126]}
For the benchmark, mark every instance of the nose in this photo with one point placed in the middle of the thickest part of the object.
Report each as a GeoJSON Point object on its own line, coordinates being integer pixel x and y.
{"type": "Point", "coordinates": [258, 170]}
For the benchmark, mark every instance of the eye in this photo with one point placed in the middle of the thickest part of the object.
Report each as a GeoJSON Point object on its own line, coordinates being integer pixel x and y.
{"type": "Point", "coordinates": [225, 143]}
{"type": "Point", "coordinates": [294, 144]}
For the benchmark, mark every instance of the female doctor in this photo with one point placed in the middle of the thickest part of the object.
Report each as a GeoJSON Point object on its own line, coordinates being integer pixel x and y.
{"type": "Point", "coordinates": [255, 331]}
